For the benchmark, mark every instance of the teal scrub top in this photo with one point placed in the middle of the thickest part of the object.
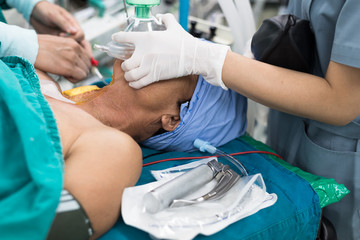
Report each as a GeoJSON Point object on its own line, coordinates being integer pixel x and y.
{"type": "Point", "coordinates": [323, 149]}
{"type": "Point", "coordinates": [31, 160]}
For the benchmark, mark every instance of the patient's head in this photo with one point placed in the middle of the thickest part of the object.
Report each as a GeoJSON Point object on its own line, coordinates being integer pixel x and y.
{"type": "Point", "coordinates": [170, 115]}
{"type": "Point", "coordinates": [144, 112]}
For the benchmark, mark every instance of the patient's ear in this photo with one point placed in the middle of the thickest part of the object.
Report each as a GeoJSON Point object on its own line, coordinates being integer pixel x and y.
{"type": "Point", "coordinates": [169, 122]}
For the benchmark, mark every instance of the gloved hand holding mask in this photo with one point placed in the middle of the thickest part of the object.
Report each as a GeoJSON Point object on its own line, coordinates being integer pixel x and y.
{"type": "Point", "coordinates": [172, 53]}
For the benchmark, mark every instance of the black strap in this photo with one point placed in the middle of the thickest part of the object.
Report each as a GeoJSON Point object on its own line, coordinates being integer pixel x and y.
{"type": "Point", "coordinates": [71, 221]}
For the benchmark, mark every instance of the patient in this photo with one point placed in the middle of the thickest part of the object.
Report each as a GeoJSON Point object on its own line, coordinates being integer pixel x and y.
{"type": "Point", "coordinates": [100, 162]}
{"type": "Point", "coordinates": [167, 115]}
{"type": "Point", "coordinates": [139, 113]}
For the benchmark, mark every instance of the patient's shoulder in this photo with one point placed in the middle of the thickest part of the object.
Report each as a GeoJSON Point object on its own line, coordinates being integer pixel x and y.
{"type": "Point", "coordinates": [80, 131]}
{"type": "Point", "coordinates": [104, 144]}
{"type": "Point", "coordinates": [109, 141]}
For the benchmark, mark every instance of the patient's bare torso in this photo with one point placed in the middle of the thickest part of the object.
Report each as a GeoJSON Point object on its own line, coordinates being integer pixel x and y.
{"type": "Point", "coordinates": [71, 121]}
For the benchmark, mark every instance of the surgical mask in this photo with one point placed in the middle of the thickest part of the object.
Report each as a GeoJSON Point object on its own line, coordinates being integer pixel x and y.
{"type": "Point", "coordinates": [213, 115]}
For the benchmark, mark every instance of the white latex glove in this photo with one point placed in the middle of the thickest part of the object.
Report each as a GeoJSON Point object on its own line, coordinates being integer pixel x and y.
{"type": "Point", "coordinates": [172, 53]}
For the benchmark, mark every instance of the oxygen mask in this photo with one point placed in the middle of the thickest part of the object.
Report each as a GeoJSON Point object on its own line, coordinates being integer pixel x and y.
{"type": "Point", "coordinates": [142, 21]}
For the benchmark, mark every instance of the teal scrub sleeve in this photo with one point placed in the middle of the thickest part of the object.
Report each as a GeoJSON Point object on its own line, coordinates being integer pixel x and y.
{"type": "Point", "coordinates": [17, 41]}
{"type": "Point", "coordinates": [31, 160]}
{"type": "Point", "coordinates": [25, 7]}
{"type": "Point", "coordinates": [346, 46]}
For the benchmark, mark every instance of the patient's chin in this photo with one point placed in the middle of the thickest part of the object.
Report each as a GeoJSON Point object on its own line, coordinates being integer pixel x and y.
{"type": "Point", "coordinates": [118, 77]}
{"type": "Point", "coordinates": [118, 72]}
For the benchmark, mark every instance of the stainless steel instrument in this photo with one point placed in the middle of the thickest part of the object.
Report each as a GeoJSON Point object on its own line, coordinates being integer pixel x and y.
{"type": "Point", "coordinates": [171, 193]}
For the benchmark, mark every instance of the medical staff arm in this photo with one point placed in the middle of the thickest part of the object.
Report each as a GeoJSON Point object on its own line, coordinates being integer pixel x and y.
{"type": "Point", "coordinates": [333, 99]}
{"type": "Point", "coordinates": [65, 52]}
{"type": "Point", "coordinates": [57, 55]}
{"type": "Point", "coordinates": [48, 18]}
{"type": "Point", "coordinates": [18, 42]}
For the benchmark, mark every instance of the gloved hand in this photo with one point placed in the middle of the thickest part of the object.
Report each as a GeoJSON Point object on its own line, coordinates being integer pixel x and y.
{"type": "Point", "coordinates": [172, 53]}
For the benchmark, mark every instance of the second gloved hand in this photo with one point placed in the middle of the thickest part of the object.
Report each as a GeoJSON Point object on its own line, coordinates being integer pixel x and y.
{"type": "Point", "coordinates": [162, 55]}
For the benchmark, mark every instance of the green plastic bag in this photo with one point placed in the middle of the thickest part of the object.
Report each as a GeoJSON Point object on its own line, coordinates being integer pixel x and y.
{"type": "Point", "coordinates": [328, 190]}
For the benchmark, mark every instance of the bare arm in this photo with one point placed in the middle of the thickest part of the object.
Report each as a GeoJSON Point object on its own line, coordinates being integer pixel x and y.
{"type": "Point", "coordinates": [333, 99]}
{"type": "Point", "coordinates": [99, 165]}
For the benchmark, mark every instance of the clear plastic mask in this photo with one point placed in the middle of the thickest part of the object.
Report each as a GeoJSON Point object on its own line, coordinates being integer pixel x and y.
{"type": "Point", "coordinates": [142, 21]}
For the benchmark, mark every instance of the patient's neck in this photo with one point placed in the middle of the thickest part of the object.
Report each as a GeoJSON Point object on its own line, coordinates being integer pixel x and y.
{"type": "Point", "coordinates": [108, 110]}
{"type": "Point", "coordinates": [116, 105]}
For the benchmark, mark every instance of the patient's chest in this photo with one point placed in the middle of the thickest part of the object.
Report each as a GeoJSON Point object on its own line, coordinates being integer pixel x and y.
{"type": "Point", "coordinates": [72, 122]}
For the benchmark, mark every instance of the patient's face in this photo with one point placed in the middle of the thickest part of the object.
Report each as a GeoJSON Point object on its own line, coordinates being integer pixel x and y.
{"type": "Point", "coordinates": [142, 113]}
